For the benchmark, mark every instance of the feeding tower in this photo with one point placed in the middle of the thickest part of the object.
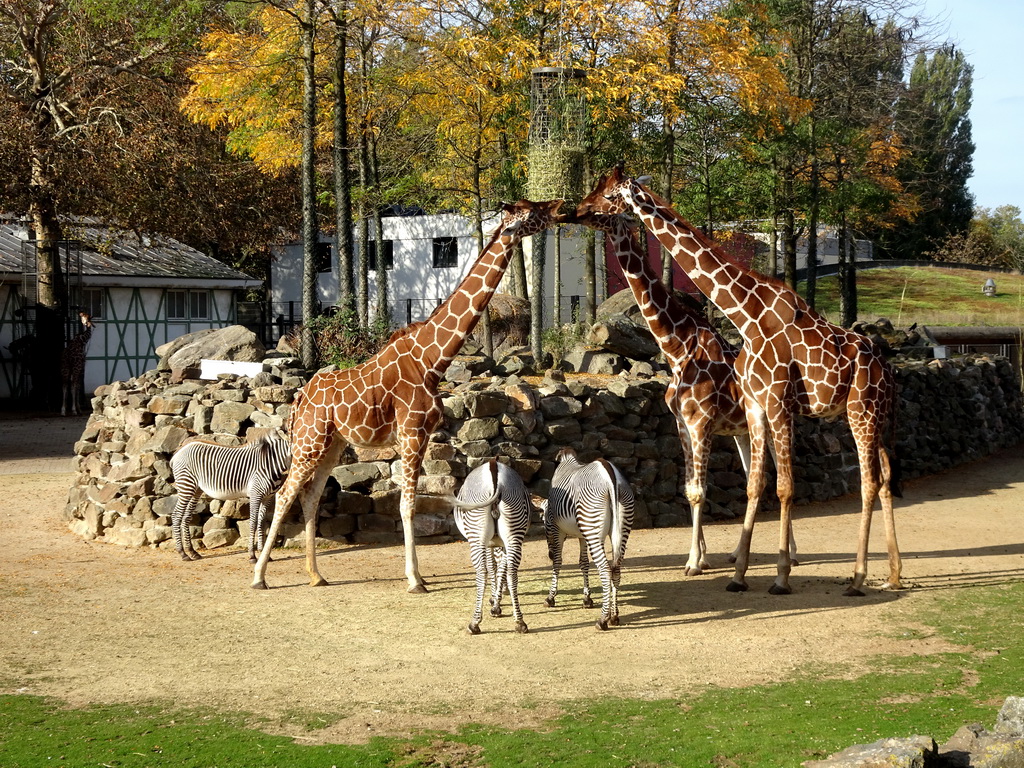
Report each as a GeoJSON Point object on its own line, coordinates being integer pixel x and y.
{"type": "Point", "coordinates": [558, 116]}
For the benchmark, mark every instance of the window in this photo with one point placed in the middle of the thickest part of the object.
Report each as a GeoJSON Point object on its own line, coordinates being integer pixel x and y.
{"type": "Point", "coordinates": [446, 253]}
{"type": "Point", "coordinates": [92, 302]}
{"type": "Point", "coordinates": [199, 305]}
{"type": "Point", "coordinates": [389, 254]}
{"type": "Point", "coordinates": [322, 257]}
{"type": "Point", "coordinates": [188, 305]}
{"type": "Point", "coordinates": [177, 305]}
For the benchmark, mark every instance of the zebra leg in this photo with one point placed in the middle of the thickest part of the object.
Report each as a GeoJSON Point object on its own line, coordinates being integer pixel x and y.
{"type": "Point", "coordinates": [513, 556]}
{"type": "Point", "coordinates": [601, 561]}
{"type": "Point", "coordinates": [176, 520]}
{"type": "Point", "coordinates": [555, 541]}
{"type": "Point", "coordinates": [588, 601]}
{"type": "Point", "coordinates": [257, 506]}
{"type": "Point", "coordinates": [478, 555]}
{"type": "Point", "coordinates": [613, 617]}
{"type": "Point", "coordinates": [187, 551]}
{"type": "Point", "coordinates": [496, 564]}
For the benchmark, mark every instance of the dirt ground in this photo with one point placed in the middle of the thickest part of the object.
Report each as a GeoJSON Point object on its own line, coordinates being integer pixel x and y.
{"type": "Point", "coordinates": [96, 623]}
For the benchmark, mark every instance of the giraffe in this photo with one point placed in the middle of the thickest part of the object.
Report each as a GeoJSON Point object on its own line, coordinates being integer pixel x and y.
{"type": "Point", "coordinates": [393, 395]}
{"type": "Point", "coordinates": [704, 393]}
{"type": "Point", "coordinates": [72, 365]}
{"type": "Point", "coordinates": [793, 362]}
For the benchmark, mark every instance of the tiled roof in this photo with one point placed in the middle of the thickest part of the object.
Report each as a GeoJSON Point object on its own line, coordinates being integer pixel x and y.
{"type": "Point", "coordinates": [106, 251]}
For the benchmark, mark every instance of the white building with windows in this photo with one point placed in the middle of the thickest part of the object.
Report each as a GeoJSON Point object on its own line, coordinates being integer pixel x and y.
{"type": "Point", "coordinates": [427, 256]}
{"type": "Point", "coordinates": [141, 290]}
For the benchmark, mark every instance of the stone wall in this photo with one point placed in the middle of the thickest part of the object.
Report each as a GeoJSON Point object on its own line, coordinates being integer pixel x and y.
{"type": "Point", "coordinates": [951, 411]}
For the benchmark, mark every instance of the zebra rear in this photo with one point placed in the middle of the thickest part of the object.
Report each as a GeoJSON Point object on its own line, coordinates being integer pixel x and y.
{"type": "Point", "coordinates": [493, 512]}
{"type": "Point", "coordinates": [251, 471]}
{"type": "Point", "coordinates": [591, 502]}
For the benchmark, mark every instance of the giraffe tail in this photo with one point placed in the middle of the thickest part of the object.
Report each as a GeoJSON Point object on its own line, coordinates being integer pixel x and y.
{"type": "Point", "coordinates": [895, 465]}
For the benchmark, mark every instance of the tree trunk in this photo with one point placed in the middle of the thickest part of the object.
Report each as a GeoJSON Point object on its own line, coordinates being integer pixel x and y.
{"type": "Point", "coordinates": [590, 268]}
{"type": "Point", "coordinates": [556, 296]}
{"type": "Point", "coordinates": [847, 277]}
{"type": "Point", "coordinates": [538, 245]}
{"type": "Point", "coordinates": [485, 318]}
{"type": "Point", "coordinates": [812, 235]}
{"type": "Point", "coordinates": [519, 287]}
{"type": "Point", "coordinates": [667, 179]}
{"type": "Point", "coordinates": [381, 309]}
{"type": "Point", "coordinates": [789, 240]}
{"type": "Point", "coordinates": [342, 173]}
{"type": "Point", "coordinates": [309, 223]}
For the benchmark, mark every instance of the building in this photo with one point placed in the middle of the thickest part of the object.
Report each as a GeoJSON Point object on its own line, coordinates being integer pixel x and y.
{"type": "Point", "coordinates": [427, 256]}
{"type": "Point", "coordinates": [142, 290]}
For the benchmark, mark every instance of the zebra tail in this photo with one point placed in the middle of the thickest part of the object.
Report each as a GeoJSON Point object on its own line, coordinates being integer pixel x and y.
{"type": "Point", "coordinates": [617, 516]}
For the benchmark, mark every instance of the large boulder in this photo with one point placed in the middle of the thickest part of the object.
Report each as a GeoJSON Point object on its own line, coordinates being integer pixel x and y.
{"type": "Point", "coordinates": [619, 334]}
{"type": "Point", "coordinates": [236, 342]}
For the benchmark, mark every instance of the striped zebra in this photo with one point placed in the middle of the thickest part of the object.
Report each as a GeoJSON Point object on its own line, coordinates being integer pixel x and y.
{"type": "Point", "coordinates": [590, 502]}
{"type": "Point", "coordinates": [493, 512]}
{"type": "Point", "coordinates": [251, 471]}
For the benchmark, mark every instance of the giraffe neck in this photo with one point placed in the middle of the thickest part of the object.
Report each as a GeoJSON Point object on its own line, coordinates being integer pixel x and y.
{"type": "Point", "coordinates": [674, 326]}
{"type": "Point", "coordinates": [441, 336]}
{"type": "Point", "coordinates": [724, 283]}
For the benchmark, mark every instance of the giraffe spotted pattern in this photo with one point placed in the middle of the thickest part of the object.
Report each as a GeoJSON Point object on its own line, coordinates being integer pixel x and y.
{"type": "Point", "coordinates": [704, 393]}
{"type": "Point", "coordinates": [392, 397]}
{"type": "Point", "coordinates": [793, 362]}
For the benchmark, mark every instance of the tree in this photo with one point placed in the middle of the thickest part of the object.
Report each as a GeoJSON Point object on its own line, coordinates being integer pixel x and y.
{"type": "Point", "coordinates": [64, 64]}
{"type": "Point", "coordinates": [933, 120]}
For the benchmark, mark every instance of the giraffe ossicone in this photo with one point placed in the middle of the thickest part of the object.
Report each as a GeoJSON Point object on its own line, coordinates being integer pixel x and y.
{"type": "Point", "coordinates": [393, 397]}
{"type": "Point", "coordinates": [793, 362]}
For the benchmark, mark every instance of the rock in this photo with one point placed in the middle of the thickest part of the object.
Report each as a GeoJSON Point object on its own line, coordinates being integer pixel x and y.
{"type": "Point", "coordinates": [911, 752]}
{"type": "Point", "coordinates": [620, 335]}
{"type": "Point", "coordinates": [1010, 720]}
{"type": "Point", "coordinates": [220, 537]}
{"type": "Point", "coordinates": [236, 342]}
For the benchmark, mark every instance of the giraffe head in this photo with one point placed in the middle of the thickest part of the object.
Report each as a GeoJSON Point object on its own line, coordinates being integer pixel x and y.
{"type": "Point", "coordinates": [607, 198]}
{"type": "Point", "coordinates": [525, 218]}
{"type": "Point", "coordinates": [85, 320]}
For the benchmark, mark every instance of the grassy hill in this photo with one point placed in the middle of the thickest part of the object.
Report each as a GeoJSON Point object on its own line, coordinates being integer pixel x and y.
{"type": "Point", "coordinates": [929, 296]}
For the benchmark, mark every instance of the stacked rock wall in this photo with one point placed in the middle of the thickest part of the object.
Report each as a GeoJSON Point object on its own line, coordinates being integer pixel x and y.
{"type": "Point", "coordinates": [950, 412]}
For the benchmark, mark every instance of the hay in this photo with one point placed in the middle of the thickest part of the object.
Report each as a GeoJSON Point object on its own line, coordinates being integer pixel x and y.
{"type": "Point", "coordinates": [556, 172]}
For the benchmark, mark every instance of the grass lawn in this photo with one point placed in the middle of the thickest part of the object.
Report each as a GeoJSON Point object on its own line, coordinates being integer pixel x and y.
{"type": "Point", "coordinates": [819, 712]}
{"type": "Point", "coordinates": [929, 296]}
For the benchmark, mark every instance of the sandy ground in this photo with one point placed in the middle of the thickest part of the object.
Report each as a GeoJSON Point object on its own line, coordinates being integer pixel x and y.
{"type": "Point", "coordinates": [90, 623]}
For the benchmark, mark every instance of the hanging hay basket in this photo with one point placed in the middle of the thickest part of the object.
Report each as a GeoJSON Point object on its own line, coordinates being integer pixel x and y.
{"type": "Point", "coordinates": [558, 117]}
{"type": "Point", "coordinates": [556, 172]}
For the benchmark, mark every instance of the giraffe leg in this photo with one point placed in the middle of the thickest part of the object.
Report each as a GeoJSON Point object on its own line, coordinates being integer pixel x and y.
{"type": "Point", "coordinates": [310, 498]}
{"type": "Point", "coordinates": [875, 474]}
{"type": "Point", "coordinates": [755, 487]}
{"type": "Point", "coordinates": [300, 474]}
{"type": "Point", "coordinates": [782, 438]}
{"type": "Point", "coordinates": [412, 446]}
{"type": "Point", "coordinates": [885, 494]}
{"type": "Point", "coordinates": [696, 494]}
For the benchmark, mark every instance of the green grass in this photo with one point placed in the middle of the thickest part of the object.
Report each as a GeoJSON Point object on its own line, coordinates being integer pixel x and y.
{"type": "Point", "coordinates": [929, 296]}
{"type": "Point", "coordinates": [816, 714]}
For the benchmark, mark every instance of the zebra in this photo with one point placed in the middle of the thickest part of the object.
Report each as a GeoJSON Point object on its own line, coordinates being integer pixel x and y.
{"type": "Point", "coordinates": [590, 502]}
{"type": "Point", "coordinates": [254, 471]}
{"type": "Point", "coordinates": [493, 512]}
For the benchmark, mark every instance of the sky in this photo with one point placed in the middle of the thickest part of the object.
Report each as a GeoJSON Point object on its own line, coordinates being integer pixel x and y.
{"type": "Point", "coordinates": [991, 35]}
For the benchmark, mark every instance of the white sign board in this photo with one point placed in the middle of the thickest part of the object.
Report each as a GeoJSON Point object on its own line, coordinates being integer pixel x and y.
{"type": "Point", "coordinates": [211, 369]}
